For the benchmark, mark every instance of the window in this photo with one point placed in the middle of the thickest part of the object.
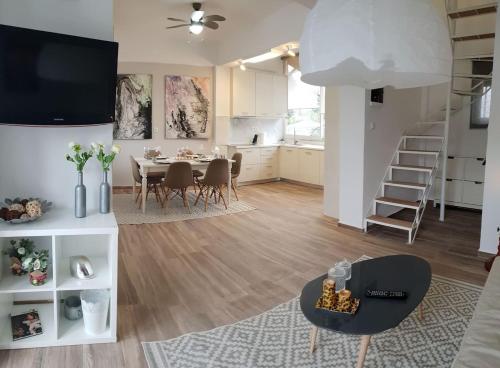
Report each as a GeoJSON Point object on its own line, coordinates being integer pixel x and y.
{"type": "Point", "coordinates": [305, 108]}
{"type": "Point", "coordinates": [480, 108]}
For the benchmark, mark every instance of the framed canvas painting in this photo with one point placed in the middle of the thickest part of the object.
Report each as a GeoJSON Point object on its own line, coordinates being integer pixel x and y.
{"type": "Point", "coordinates": [133, 106]}
{"type": "Point", "coordinates": [187, 107]}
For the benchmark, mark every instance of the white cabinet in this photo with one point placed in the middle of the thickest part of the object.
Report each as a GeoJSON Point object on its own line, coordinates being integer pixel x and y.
{"type": "Point", "coordinates": [474, 169]}
{"type": "Point", "coordinates": [473, 193]}
{"type": "Point", "coordinates": [309, 162]}
{"type": "Point", "coordinates": [289, 163]}
{"type": "Point", "coordinates": [257, 163]}
{"type": "Point", "coordinates": [243, 92]}
{"type": "Point", "coordinates": [261, 94]}
{"type": "Point", "coordinates": [264, 101]}
{"type": "Point", "coordinates": [280, 95]}
{"type": "Point", "coordinates": [322, 168]}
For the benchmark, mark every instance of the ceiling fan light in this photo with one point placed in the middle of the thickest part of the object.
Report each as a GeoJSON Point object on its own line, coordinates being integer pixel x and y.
{"type": "Point", "coordinates": [196, 29]}
{"type": "Point", "coordinates": [197, 15]}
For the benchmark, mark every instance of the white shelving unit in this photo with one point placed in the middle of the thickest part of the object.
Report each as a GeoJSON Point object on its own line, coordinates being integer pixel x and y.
{"type": "Point", "coordinates": [96, 237]}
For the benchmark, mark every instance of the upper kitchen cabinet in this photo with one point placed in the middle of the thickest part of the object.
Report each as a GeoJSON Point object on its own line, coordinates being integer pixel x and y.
{"type": "Point", "coordinates": [243, 92]}
{"type": "Point", "coordinates": [258, 94]}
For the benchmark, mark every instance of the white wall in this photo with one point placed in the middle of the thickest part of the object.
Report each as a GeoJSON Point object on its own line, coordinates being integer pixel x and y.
{"type": "Point", "coordinates": [351, 158]}
{"type": "Point", "coordinates": [121, 167]}
{"type": "Point", "coordinates": [32, 159]}
{"type": "Point", "coordinates": [331, 153]}
{"type": "Point", "coordinates": [491, 197]}
{"type": "Point", "coordinates": [384, 126]}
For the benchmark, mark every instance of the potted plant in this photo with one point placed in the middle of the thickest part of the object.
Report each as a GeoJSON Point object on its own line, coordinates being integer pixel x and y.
{"type": "Point", "coordinates": [17, 252]}
{"type": "Point", "coordinates": [79, 157]}
{"type": "Point", "coordinates": [36, 263]}
{"type": "Point", "coordinates": [106, 159]}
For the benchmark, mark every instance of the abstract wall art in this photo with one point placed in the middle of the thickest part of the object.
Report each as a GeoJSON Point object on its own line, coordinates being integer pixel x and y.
{"type": "Point", "coordinates": [133, 107]}
{"type": "Point", "coordinates": [187, 107]}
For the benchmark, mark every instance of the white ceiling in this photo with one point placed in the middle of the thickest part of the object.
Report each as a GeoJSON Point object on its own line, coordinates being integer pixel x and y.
{"type": "Point", "coordinates": [140, 27]}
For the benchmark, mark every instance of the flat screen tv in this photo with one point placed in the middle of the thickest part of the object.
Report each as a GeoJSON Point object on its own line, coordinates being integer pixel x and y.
{"type": "Point", "coordinates": [54, 79]}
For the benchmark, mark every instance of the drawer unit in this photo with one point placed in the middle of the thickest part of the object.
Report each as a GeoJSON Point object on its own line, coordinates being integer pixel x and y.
{"type": "Point", "coordinates": [249, 173]}
{"type": "Point", "coordinates": [251, 156]}
{"type": "Point", "coordinates": [474, 169]}
{"type": "Point", "coordinates": [473, 193]}
{"type": "Point", "coordinates": [258, 163]}
{"type": "Point", "coordinates": [268, 171]}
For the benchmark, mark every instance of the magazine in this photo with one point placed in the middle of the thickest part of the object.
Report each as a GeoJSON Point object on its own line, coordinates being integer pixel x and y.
{"type": "Point", "coordinates": [26, 325]}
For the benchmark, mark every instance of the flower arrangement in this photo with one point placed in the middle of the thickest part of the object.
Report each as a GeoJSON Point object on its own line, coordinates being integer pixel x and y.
{"type": "Point", "coordinates": [36, 263]}
{"type": "Point", "coordinates": [80, 155]}
{"type": "Point", "coordinates": [102, 157]}
{"type": "Point", "coordinates": [18, 251]}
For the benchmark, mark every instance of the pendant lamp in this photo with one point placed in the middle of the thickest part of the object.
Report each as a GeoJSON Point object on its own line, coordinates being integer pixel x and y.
{"type": "Point", "coordinates": [375, 43]}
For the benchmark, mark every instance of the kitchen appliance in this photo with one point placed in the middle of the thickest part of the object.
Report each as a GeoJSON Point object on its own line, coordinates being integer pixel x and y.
{"type": "Point", "coordinates": [255, 139]}
{"type": "Point", "coordinates": [81, 268]}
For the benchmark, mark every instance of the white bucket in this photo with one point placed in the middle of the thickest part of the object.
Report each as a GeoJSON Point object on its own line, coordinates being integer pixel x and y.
{"type": "Point", "coordinates": [95, 305]}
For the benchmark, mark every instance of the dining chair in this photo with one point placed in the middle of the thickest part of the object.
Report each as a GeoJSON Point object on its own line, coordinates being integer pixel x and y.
{"type": "Point", "coordinates": [197, 175]}
{"type": "Point", "coordinates": [235, 172]}
{"type": "Point", "coordinates": [213, 181]}
{"type": "Point", "coordinates": [154, 182]}
{"type": "Point", "coordinates": [179, 178]}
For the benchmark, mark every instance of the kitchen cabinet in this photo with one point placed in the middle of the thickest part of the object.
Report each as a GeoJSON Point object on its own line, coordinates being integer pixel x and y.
{"type": "Point", "coordinates": [309, 163]}
{"type": "Point", "coordinates": [473, 193]}
{"type": "Point", "coordinates": [289, 163]}
{"type": "Point", "coordinates": [258, 94]}
{"type": "Point", "coordinates": [243, 92]}
{"type": "Point", "coordinates": [258, 163]}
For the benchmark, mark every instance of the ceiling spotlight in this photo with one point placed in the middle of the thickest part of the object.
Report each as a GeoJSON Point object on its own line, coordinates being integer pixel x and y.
{"type": "Point", "coordinates": [196, 28]}
{"type": "Point", "coordinates": [243, 66]}
{"type": "Point", "coordinates": [290, 52]}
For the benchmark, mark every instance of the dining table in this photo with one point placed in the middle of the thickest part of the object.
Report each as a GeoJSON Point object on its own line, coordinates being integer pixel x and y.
{"type": "Point", "coordinates": [162, 164]}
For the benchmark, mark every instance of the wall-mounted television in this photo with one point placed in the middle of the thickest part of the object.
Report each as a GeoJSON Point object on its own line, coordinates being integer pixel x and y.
{"type": "Point", "coordinates": [54, 79]}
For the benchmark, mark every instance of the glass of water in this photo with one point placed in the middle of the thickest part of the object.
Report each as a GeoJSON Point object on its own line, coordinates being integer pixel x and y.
{"type": "Point", "coordinates": [338, 275]}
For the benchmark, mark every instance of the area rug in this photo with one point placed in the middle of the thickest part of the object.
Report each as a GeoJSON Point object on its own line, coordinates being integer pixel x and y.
{"type": "Point", "coordinates": [280, 338]}
{"type": "Point", "coordinates": [127, 212]}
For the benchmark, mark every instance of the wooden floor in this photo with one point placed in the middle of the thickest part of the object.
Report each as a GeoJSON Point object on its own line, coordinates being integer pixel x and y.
{"type": "Point", "coordinates": [194, 275]}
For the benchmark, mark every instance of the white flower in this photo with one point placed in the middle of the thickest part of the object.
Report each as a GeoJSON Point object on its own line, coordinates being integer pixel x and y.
{"type": "Point", "coordinates": [26, 263]}
{"type": "Point", "coordinates": [21, 250]}
{"type": "Point", "coordinates": [94, 146]}
{"type": "Point", "coordinates": [115, 148]}
{"type": "Point", "coordinates": [36, 265]}
{"type": "Point", "coordinates": [71, 145]}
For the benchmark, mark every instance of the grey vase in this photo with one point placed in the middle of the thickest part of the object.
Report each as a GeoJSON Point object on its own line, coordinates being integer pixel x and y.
{"type": "Point", "coordinates": [80, 198]}
{"type": "Point", "coordinates": [104, 194]}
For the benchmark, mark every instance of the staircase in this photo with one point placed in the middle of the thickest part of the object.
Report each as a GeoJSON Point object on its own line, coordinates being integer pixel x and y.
{"type": "Point", "coordinates": [407, 182]}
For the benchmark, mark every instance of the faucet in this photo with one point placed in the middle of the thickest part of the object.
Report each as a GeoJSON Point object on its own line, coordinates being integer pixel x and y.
{"type": "Point", "coordinates": [295, 141]}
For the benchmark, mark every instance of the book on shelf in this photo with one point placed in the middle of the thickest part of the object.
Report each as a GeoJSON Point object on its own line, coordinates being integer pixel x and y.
{"type": "Point", "coordinates": [26, 325]}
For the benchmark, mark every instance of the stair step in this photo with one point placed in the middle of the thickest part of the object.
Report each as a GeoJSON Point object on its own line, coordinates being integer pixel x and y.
{"type": "Point", "coordinates": [412, 168]}
{"type": "Point", "coordinates": [480, 36]}
{"type": "Point", "coordinates": [424, 137]}
{"type": "Point", "coordinates": [405, 184]}
{"type": "Point", "coordinates": [390, 222]}
{"type": "Point", "coordinates": [467, 93]}
{"type": "Point", "coordinates": [473, 10]}
{"type": "Point", "coordinates": [479, 57]}
{"type": "Point", "coordinates": [472, 76]}
{"type": "Point", "coordinates": [419, 152]}
{"type": "Point", "coordinates": [396, 202]}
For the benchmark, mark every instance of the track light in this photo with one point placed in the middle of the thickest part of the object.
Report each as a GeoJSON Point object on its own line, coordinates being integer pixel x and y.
{"type": "Point", "coordinates": [290, 52]}
{"type": "Point", "coordinates": [243, 66]}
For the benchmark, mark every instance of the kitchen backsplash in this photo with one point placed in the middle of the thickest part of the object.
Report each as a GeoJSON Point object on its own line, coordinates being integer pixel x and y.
{"type": "Point", "coordinates": [243, 129]}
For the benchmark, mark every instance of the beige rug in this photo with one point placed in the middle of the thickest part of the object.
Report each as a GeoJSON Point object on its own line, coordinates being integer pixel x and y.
{"type": "Point", "coordinates": [127, 212]}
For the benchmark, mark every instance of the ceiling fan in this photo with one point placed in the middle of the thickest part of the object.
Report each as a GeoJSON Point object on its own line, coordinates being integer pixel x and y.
{"type": "Point", "coordinates": [198, 20]}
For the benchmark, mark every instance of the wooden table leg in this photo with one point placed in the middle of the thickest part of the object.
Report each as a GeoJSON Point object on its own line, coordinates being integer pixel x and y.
{"type": "Point", "coordinates": [365, 342]}
{"type": "Point", "coordinates": [421, 311]}
{"type": "Point", "coordinates": [144, 190]}
{"type": "Point", "coordinates": [133, 190]}
{"type": "Point", "coordinates": [229, 186]}
{"type": "Point", "coordinates": [313, 337]}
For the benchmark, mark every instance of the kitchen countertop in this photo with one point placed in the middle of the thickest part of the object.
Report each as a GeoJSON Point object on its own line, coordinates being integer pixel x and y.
{"type": "Point", "coordinates": [300, 146]}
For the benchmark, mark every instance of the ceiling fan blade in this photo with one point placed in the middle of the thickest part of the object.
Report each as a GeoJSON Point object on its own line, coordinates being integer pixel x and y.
{"type": "Point", "coordinates": [211, 25]}
{"type": "Point", "coordinates": [211, 18]}
{"type": "Point", "coordinates": [177, 20]}
{"type": "Point", "coordinates": [180, 25]}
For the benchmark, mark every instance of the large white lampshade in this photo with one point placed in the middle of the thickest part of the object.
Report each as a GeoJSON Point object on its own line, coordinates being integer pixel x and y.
{"type": "Point", "coordinates": [375, 43]}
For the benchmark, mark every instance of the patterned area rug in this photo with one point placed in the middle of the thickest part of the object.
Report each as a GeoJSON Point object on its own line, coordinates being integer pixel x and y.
{"type": "Point", "coordinates": [127, 212]}
{"type": "Point", "coordinates": [280, 338]}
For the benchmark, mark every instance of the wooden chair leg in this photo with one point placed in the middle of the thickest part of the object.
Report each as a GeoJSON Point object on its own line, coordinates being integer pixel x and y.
{"type": "Point", "coordinates": [200, 194]}
{"type": "Point", "coordinates": [222, 196]}
{"type": "Point", "coordinates": [167, 193]}
{"type": "Point", "coordinates": [157, 194]}
{"type": "Point", "coordinates": [206, 199]}
{"type": "Point", "coordinates": [185, 198]}
{"type": "Point", "coordinates": [138, 194]}
{"type": "Point", "coordinates": [234, 190]}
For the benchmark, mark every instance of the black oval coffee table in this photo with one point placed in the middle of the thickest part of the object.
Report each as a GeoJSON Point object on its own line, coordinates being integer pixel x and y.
{"type": "Point", "coordinates": [400, 272]}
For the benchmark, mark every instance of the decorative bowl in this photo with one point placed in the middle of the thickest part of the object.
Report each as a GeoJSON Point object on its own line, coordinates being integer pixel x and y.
{"type": "Point", "coordinates": [44, 206]}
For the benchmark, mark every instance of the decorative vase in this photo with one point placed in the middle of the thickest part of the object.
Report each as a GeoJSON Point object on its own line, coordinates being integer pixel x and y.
{"type": "Point", "coordinates": [38, 278]}
{"type": "Point", "coordinates": [104, 194]}
{"type": "Point", "coordinates": [80, 198]}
